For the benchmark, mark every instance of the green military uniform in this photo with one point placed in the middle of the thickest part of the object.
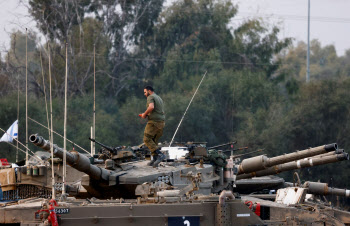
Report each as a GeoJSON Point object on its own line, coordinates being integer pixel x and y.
{"type": "Point", "coordinates": [155, 124]}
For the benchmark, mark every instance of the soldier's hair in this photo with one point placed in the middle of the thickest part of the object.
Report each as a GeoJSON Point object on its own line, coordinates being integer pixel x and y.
{"type": "Point", "coordinates": [149, 88]}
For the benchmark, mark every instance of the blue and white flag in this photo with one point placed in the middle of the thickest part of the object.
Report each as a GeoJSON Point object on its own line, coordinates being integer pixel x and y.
{"type": "Point", "coordinates": [11, 133]}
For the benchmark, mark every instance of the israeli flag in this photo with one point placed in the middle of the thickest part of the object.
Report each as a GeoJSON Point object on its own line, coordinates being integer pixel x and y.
{"type": "Point", "coordinates": [11, 133]}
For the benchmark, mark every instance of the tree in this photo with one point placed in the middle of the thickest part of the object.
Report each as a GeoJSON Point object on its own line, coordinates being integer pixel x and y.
{"type": "Point", "coordinates": [56, 18]}
{"type": "Point", "coordinates": [198, 33]}
{"type": "Point", "coordinates": [126, 24]}
{"type": "Point", "coordinates": [14, 68]}
{"type": "Point", "coordinates": [129, 26]}
{"type": "Point", "coordinates": [324, 62]}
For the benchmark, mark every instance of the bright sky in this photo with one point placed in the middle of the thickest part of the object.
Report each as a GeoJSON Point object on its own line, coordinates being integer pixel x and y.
{"type": "Point", "coordinates": [330, 19]}
{"type": "Point", "coordinates": [14, 16]}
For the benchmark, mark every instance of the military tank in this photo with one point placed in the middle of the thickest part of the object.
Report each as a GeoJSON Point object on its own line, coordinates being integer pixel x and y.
{"type": "Point", "coordinates": [194, 190]}
{"type": "Point", "coordinates": [119, 179]}
{"type": "Point", "coordinates": [202, 171]}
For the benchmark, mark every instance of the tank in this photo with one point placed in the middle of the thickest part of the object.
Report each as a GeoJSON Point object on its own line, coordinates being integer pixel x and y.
{"type": "Point", "coordinates": [129, 179]}
{"type": "Point", "coordinates": [207, 171]}
{"type": "Point", "coordinates": [194, 190]}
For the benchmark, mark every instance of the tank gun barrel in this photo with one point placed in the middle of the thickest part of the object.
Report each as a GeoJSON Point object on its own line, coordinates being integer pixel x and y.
{"type": "Point", "coordinates": [241, 155]}
{"type": "Point", "coordinates": [317, 188]}
{"type": "Point", "coordinates": [336, 152]}
{"type": "Point", "coordinates": [102, 145]}
{"type": "Point", "coordinates": [222, 145]}
{"type": "Point", "coordinates": [237, 149]}
{"type": "Point", "coordinates": [296, 165]}
{"type": "Point", "coordinates": [262, 162]}
{"type": "Point", "coordinates": [74, 159]}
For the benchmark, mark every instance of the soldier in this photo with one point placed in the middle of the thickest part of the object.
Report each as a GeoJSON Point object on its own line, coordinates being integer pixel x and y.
{"type": "Point", "coordinates": [155, 125]}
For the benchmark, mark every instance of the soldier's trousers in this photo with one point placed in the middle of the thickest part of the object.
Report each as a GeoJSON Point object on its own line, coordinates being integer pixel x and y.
{"type": "Point", "coordinates": [153, 131]}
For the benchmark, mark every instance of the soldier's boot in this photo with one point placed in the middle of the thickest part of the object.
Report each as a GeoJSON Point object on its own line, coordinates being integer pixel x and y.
{"type": "Point", "coordinates": [160, 158]}
{"type": "Point", "coordinates": [154, 158]}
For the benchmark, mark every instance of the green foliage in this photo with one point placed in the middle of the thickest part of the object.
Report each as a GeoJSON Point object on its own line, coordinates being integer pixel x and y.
{"type": "Point", "coordinates": [324, 62]}
{"type": "Point", "coordinates": [129, 126]}
{"type": "Point", "coordinates": [319, 115]}
{"type": "Point", "coordinates": [254, 46]}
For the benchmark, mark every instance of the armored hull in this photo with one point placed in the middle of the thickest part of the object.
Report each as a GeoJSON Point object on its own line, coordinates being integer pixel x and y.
{"type": "Point", "coordinates": [200, 210]}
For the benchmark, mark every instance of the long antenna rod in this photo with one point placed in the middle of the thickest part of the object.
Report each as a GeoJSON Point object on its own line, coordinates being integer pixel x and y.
{"type": "Point", "coordinates": [17, 114]}
{"type": "Point", "coordinates": [43, 75]}
{"type": "Point", "coordinates": [308, 45]}
{"type": "Point", "coordinates": [183, 116]}
{"type": "Point", "coordinates": [65, 126]}
{"type": "Point", "coordinates": [26, 98]}
{"type": "Point", "coordinates": [94, 116]}
{"type": "Point", "coordinates": [51, 133]}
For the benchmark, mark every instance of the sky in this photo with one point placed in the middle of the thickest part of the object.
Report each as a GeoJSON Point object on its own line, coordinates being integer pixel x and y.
{"type": "Point", "coordinates": [329, 23]}
{"type": "Point", "coordinates": [14, 16]}
{"type": "Point", "coordinates": [330, 19]}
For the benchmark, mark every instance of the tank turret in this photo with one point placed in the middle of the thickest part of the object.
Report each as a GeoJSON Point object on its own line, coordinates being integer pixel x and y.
{"type": "Point", "coordinates": [120, 179]}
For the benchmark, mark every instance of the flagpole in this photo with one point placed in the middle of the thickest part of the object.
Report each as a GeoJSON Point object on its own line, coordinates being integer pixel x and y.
{"type": "Point", "coordinates": [26, 97]}
{"type": "Point", "coordinates": [308, 45]}
{"type": "Point", "coordinates": [47, 111]}
{"type": "Point", "coordinates": [65, 126]}
{"type": "Point", "coordinates": [94, 117]}
{"type": "Point", "coordinates": [51, 133]}
{"type": "Point", "coordinates": [17, 115]}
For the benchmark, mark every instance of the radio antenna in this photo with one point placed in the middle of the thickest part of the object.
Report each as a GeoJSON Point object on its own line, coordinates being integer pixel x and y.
{"type": "Point", "coordinates": [183, 116]}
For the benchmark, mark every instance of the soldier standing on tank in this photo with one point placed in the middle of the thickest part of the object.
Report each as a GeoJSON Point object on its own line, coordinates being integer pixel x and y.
{"type": "Point", "coordinates": [155, 125]}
